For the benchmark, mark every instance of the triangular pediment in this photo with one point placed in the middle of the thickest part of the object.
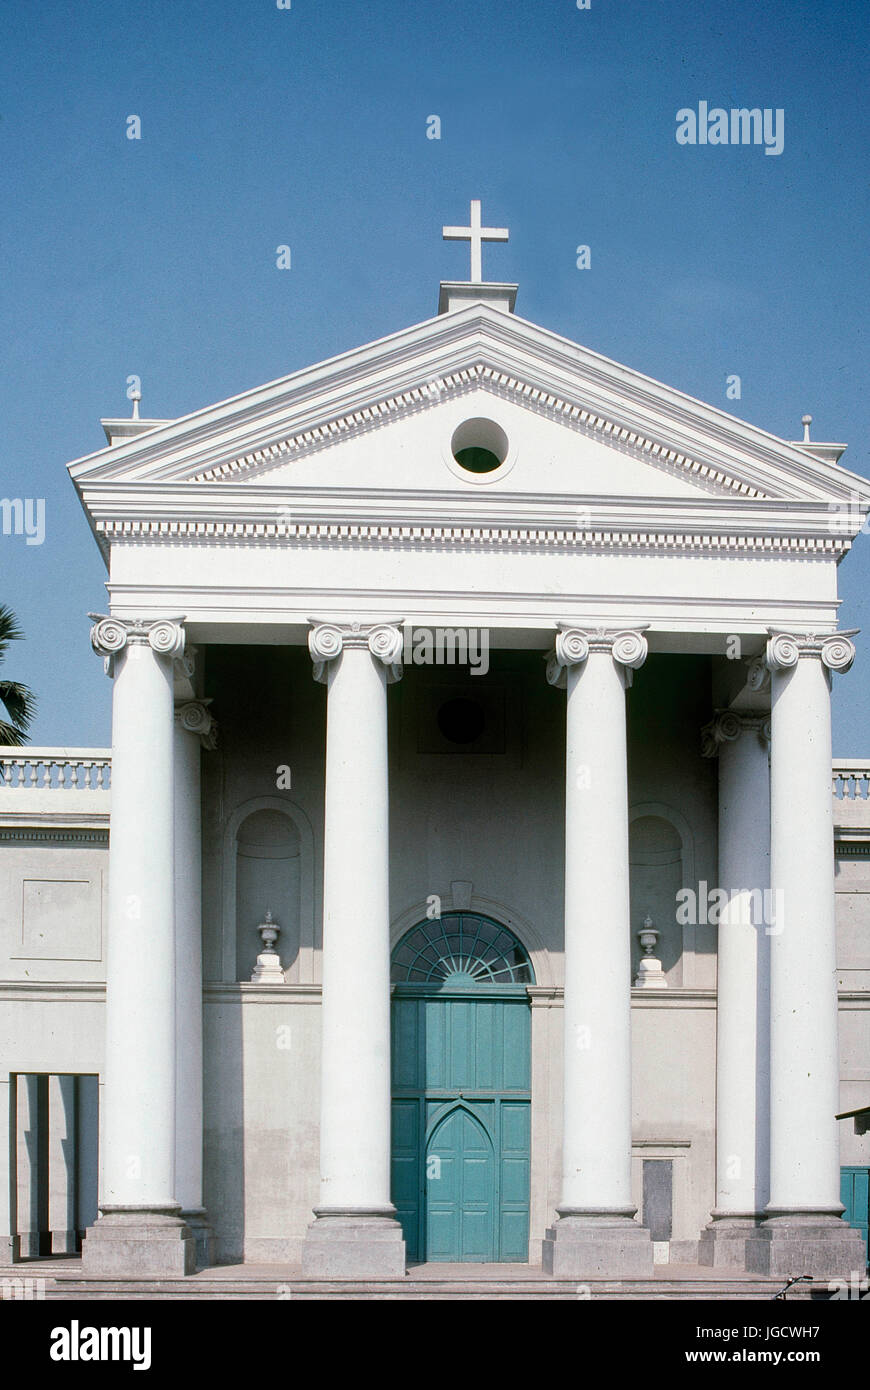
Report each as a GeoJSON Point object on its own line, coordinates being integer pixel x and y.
{"type": "Point", "coordinates": [377, 423]}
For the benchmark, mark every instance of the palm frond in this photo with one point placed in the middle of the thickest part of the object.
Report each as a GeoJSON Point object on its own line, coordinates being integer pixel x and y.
{"type": "Point", "coordinates": [10, 736]}
{"type": "Point", "coordinates": [9, 629]}
{"type": "Point", "coordinates": [20, 702]}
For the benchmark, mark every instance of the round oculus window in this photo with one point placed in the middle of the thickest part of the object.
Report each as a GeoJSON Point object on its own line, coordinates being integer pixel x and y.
{"type": "Point", "coordinates": [479, 445]}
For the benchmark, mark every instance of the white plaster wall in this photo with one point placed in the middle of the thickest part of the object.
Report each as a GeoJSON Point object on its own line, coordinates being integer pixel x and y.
{"type": "Point", "coordinates": [543, 457]}
{"type": "Point", "coordinates": [53, 909]}
{"type": "Point", "coordinates": [261, 1113]}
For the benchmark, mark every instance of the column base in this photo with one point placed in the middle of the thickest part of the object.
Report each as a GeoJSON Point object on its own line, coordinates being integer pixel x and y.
{"type": "Point", "coordinates": [131, 1241]}
{"type": "Point", "coordinates": [723, 1242]}
{"type": "Point", "coordinates": [585, 1243]}
{"type": "Point", "coordinates": [353, 1243]}
{"type": "Point", "coordinates": [205, 1241]}
{"type": "Point", "coordinates": [805, 1242]}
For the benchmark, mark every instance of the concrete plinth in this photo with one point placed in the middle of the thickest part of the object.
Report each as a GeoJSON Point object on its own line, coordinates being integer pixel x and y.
{"type": "Point", "coordinates": [143, 1242]}
{"type": "Point", "coordinates": [582, 1245]}
{"type": "Point", "coordinates": [342, 1245]}
{"type": "Point", "coordinates": [723, 1242]}
{"type": "Point", "coordinates": [805, 1243]}
{"type": "Point", "coordinates": [204, 1237]}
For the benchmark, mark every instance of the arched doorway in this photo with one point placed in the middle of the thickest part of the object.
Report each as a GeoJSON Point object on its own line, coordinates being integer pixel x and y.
{"type": "Point", "coordinates": [461, 1064]}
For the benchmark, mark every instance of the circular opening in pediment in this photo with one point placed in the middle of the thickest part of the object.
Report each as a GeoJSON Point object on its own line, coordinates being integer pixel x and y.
{"type": "Point", "coordinates": [479, 445]}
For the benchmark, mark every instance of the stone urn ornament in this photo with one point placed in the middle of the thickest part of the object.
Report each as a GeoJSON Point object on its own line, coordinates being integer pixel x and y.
{"type": "Point", "coordinates": [649, 971]}
{"type": "Point", "coordinates": [268, 969]}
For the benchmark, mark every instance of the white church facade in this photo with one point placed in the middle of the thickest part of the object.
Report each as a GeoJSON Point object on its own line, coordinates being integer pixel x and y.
{"type": "Point", "coordinates": [469, 886]}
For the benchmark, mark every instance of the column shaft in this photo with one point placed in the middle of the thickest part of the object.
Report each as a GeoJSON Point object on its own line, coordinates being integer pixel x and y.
{"type": "Point", "coordinates": [595, 1232]}
{"type": "Point", "coordinates": [356, 1230]}
{"type": "Point", "coordinates": [804, 1059]}
{"type": "Point", "coordinates": [596, 1170]}
{"type": "Point", "coordinates": [193, 723]}
{"type": "Point", "coordinates": [140, 1225]}
{"type": "Point", "coordinates": [743, 987]}
{"type": "Point", "coordinates": [140, 988]}
{"type": "Point", "coordinates": [803, 1225]}
{"type": "Point", "coordinates": [355, 1095]}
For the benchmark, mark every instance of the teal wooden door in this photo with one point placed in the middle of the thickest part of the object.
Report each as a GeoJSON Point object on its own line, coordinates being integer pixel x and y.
{"type": "Point", "coordinates": [460, 1187]}
{"type": "Point", "coordinates": [461, 1066]}
{"type": "Point", "coordinates": [855, 1196]}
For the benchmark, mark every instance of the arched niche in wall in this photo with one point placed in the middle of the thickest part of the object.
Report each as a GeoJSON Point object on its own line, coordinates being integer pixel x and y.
{"type": "Point", "coordinates": [661, 859]}
{"type": "Point", "coordinates": [268, 866]}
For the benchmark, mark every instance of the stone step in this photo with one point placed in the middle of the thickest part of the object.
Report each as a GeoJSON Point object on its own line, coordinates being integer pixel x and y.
{"type": "Point", "coordinates": [62, 1281]}
{"type": "Point", "coordinates": [297, 1290]}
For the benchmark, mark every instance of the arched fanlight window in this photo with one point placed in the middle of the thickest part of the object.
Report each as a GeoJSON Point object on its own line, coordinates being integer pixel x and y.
{"type": "Point", "coordinates": [461, 948]}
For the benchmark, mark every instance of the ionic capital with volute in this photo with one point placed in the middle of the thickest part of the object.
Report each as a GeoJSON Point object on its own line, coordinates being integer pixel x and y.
{"type": "Point", "coordinates": [627, 646]}
{"type": "Point", "coordinates": [110, 635]}
{"type": "Point", "coordinates": [194, 717]}
{"type": "Point", "coordinates": [385, 641]}
{"type": "Point", "coordinates": [833, 649]}
{"type": "Point", "coordinates": [728, 725]}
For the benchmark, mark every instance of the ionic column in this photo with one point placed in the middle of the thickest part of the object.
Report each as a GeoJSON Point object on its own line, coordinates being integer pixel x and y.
{"type": "Point", "coordinates": [743, 984]}
{"type": "Point", "coordinates": [595, 1232]}
{"type": "Point", "coordinates": [355, 1231]}
{"type": "Point", "coordinates": [803, 1232]}
{"type": "Point", "coordinates": [140, 1226]}
{"type": "Point", "coordinates": [195, 729]}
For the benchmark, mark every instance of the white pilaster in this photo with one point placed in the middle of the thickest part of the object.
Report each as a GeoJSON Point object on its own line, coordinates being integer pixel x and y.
{"type": "Point", "coordinates": [140, 1226]}
{"type": "Point", "coordinates": [195, 729]}
{"type": "Point", "coordinates": [803, 1225]}
{"type": "Point", "coordinates": [356, 1231]}
{"type": "Point", "coordinates": [743, 984]}
{"type": "Point", "coordinates": [62, 1140]}
{"type": "Point", "coordinates": [88, 1150]}
{"type": "Point", "coordinates": [596, 1232]}
{"type": "Point", "coordinates": [28, 1165]}
{"type": "Point", "coordinates": [9, 1242]}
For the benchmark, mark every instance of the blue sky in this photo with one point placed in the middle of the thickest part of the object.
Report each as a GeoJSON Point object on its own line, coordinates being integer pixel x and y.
{"type": "Point", "coordinates": [307, 127]}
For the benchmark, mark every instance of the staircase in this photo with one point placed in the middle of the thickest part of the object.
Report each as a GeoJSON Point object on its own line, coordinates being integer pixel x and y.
{"type": "Point", "coordinates": [61, 1280]}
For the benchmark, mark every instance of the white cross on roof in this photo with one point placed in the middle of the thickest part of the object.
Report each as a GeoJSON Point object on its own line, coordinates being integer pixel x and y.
{"type": "Point", "coordinates": [476, 235]}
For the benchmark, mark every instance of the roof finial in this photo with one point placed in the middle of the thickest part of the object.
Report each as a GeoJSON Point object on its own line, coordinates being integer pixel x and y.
{"type": "Point", "coordinates": [806, 421]}
{"type": "Point", "coordinates": [135, 397]}
{"type": "Point", "coordinates": [476, 235]}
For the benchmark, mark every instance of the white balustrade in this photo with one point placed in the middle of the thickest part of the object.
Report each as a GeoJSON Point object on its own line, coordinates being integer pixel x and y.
{"type": "Point", "coordinates": [55, 769]}
{"type": "Point", "coordinates": [851, 779]}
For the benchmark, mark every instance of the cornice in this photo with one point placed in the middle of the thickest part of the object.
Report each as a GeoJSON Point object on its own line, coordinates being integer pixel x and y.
{"type": "Point", "coordinates": [54, 991]}
{"type": "Point", "coordinates": [28, 833]}
{"type": "Point", "coordinates": [471, 348]}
